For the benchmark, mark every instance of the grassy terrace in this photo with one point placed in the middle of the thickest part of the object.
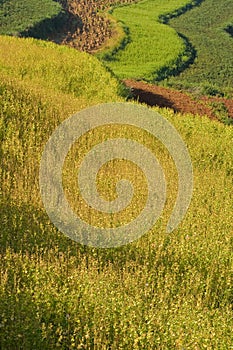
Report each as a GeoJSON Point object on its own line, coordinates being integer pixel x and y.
{"type": "Point", "coordinates": [154, 50]}
{"type": "Point", "coordinates": [205, 26]}
{"type": "Point", "coordinates": [164, 291]}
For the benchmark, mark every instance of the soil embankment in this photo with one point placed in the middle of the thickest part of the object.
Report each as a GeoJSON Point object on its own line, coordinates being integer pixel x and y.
{"type": "Point", "coordinates": [179, 101]}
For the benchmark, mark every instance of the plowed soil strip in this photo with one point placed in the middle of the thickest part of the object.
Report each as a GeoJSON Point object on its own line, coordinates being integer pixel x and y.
{"type": "Point", "coordinates": [154, 95]}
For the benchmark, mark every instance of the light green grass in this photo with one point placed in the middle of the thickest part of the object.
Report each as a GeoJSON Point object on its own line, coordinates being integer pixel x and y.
{"type": "Point", "coordinates": [155, 49]}
{"type": "Point", "coordinates": [205, 27]}
{"type": "Point", "coordinates": [165, 291]}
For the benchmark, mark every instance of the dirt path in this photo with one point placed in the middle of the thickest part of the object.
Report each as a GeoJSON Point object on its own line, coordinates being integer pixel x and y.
{"type": "Point", "coordinates": [154, 95]}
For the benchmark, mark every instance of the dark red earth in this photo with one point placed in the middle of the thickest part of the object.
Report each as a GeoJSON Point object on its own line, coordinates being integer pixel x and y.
{"type": "Point", "coordinates": [154, 95]}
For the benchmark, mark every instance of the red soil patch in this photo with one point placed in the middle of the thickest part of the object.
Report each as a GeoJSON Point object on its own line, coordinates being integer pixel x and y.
{"type": "Point", "coordinates": [154, 95]}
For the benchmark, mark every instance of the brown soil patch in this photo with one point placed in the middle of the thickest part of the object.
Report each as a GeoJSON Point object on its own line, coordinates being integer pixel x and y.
{"type": "Point", "coordinates": [88, 29]}
{"type": "Point", "coordinates": [154, 95]}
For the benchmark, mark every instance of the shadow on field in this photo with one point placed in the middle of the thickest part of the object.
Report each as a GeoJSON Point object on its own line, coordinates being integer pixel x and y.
{"type": "Point", "coordinates": [151, 98]}
{"type": "Point", "coordinates": [21, 328]}
{"type": "Point", "coordinates": [26, 229]}
{"type": "Point", "coordinates": [229, 30]}
{"type": "Point", "coordinates": [56, 28]}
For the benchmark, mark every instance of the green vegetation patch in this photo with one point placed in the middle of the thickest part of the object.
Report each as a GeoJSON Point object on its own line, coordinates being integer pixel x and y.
{"type": "Point", "coordinates": [18, 16]}
{"type": "Point", "coordinates": [151, 49]}
{"type": "Point", "coordinates": [206, 27]}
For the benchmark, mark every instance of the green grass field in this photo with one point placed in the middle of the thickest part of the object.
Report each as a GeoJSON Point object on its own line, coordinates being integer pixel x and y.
{"type": "Point", "coordinates": [17, 16]}
{"type": "Point", "coordinates": [154, 50]}
{"type": "Point", "coordinates": [164, 291]}
{"type": "Point", "coordinates": [205, 27]}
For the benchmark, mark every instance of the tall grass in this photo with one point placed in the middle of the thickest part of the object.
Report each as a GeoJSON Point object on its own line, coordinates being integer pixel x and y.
{"type": "Point", "coordinates": [164, 291]}
{"type": "Point", "coordinates": [57, 68]}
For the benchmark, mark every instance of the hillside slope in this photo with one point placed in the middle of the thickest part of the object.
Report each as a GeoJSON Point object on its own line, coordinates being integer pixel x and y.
{"type": "Point", "coordinates": [164, 291]}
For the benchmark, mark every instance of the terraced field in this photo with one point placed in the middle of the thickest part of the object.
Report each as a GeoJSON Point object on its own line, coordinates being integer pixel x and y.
{"type": "Point", "coordinates": [164, 291]}
{"type": "Point", "coordinates": [79, 24]}
{"type": "Point", "coordinates": [154, 50]}
{"type": "Point", "coordinates": [205, 26]}
{"type": "Point", "coordinates": [139, 47]}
